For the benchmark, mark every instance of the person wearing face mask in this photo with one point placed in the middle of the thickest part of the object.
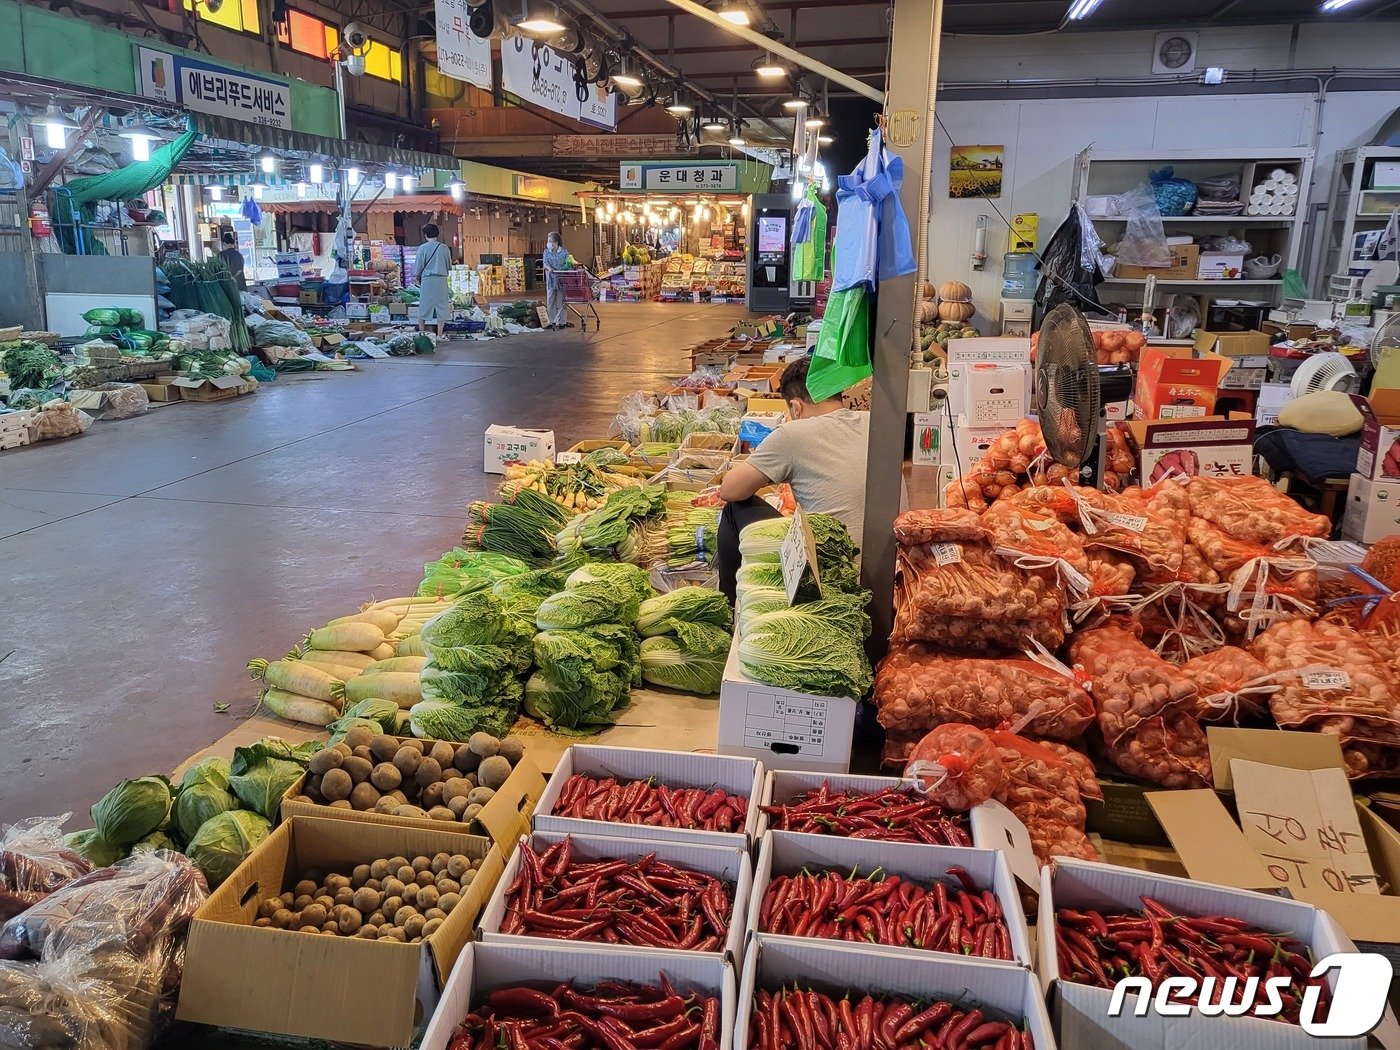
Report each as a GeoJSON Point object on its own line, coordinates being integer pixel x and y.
{"type": "Point", "coordinates": [820, 452]}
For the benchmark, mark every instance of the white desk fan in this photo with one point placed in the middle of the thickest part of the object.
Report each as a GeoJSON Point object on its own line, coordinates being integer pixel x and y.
{"type": "Point", "coordinates": [1326, 371]}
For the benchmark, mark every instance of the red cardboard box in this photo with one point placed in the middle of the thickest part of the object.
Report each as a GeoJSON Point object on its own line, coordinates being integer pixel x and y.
{"type": "Point", "coordinates": [1174, 383]}
{"type": "Point", "coordinates": [1379, 437]}
{"type": "Point", "coordinates": [1213, 447]}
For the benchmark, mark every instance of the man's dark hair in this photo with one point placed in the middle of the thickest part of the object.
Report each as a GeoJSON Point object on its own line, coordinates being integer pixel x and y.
{"type": "Point", "coordinates": [228, 237]}
{"type": "Point", "coordinates": [430, 229]}
{"type": "Point", "coordinates": [792, 384]}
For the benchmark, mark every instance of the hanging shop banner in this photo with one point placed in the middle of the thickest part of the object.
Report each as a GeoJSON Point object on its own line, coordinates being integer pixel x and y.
{"type": "Point", "coordinates": [461, 54]}
{"type": "Point", "coordinates": [205, 87]}
{"type": "Point", "coordinates": [539, 75]}
{"type": "Point", "coordinates": [619, 146]}
{"type": "Point", "coordinates": [718, 176]}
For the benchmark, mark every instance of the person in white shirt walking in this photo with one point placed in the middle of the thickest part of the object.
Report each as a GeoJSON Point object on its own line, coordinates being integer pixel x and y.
{"type": "Point", "coordinates": [434, 262]}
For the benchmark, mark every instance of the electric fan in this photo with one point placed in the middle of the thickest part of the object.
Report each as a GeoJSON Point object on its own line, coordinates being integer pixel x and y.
{"type": "Point", "coordinates": [1067, 386]}
{"type": "Point", "coordinates": [1325, 371]}
{"type": "Point", "coordinates": [1387, 341]}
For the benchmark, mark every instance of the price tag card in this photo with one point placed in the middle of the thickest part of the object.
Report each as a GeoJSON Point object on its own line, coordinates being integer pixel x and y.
{"type": "Point", "coordinates": [947, 553]}
{"type": "Point", "coordinates": [1131, 522]}
{"type": "Point", "coordinates": [565, 458]}
{"type": "Point", "coordinates": [798, 552]}
{"type": "Point", "coordinates": [1327, 680]}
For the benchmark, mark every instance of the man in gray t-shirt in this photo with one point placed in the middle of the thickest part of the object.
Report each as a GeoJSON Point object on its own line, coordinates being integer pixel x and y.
{"type": "Point", "coordinates": [820, 452]}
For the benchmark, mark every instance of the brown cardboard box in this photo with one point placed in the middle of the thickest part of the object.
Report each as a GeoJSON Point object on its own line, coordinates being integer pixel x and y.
{"type": "Point", "coordinates": [342, 989]}
{"type": "Point", "coordinates": [162, 388]}
{"type": "Point", "coordinates": [309, 298]}
{"type": "Point", "coordinates": [1186, 259]}
{"type": "Point", "coordinates": [1234, 344]}
{"type": "Point", "coordinates": [218, 389]}
{"type": "Point", "coordinates": [1174, 382]}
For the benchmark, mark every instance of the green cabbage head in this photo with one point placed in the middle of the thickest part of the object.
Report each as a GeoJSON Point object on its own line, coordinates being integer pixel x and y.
{"type": "Point", "coordinates": [132, 810]}
{"type": "Point", "coordinates": [225, 841]}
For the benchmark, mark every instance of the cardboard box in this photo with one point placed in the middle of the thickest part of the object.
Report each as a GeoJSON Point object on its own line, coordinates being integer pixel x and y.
{"type": "Point", "coordinates": [1248, 373]}
{"type": "Point", "coordinates": [503, 819]}
{"type": "Point", "coordinates": [509, 445]}
{"type": "Point", "coordinates": [483, 968]}
{"type": "Point", "coordinates": [1081, 1011]}
{"type": "Point", "coordinates": [217, 389]}
{"type": "Point", "coordinates": [962, 445]}
{"type": "Point", "coordinates": [1299, 829]}
{"type": "Point", "coordinates": [306, 298]}
{"type": "Point", "coordinates": [1172, 383]}
{"type": "Point", "coordinates": [763, 406]}
{"type": "Point", "coordinates": [727, 864]}
{"type": "Point", "coordinates": [162, 388]}
{"type": "Point", "coordinates": [1213, 447]}
{"type": "Point", "coordinates": [1003, 991]}
{"type": "Point", "coordinates": [1385, 384]}
{"type": "Point", "coordinates": [1373, 510]}
{"type": "Point", "coordinates": [989, 350]}
{"type": "Point", "coordinates": [1220, 266]}
{"type": "Point", "coordinates": [343, 989]}
{"type": "Point", "coordinates": [1234, 344]}
{"type": "Point", "coordinates": [1379, 439]}
{"type": "Point", "coordinates": [1184, 266]}
{"type": "Point", "coordinates": [676, 769]}
{"type": "Point", "coordinates": [1385, 175]}
{"type": "Point", "coordinates": [989, 395]}
{"type": "Point", "coordinates": [1272, 398]}
{"type": "Point", "coordinates": [783, 728]}
{"type": "Point", "coordinates": [790, 852]}
{"type": "Point", "coordinates": [356, 311]}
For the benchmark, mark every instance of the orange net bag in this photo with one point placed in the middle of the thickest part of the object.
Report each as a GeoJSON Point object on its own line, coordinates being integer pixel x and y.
{"type": "Point", "coordinates": [1230, 683]}
{"type": "Point", "coordinates": [1131, 683]}
{"type": "Point", "coordinates": [1170, 750]}
{"type": "Point", "coordinates": [956, 766]}
{"type": "Point", "coordinates": [1042, 789]}
{"type": "Point", "coordinates": [1251, 510]}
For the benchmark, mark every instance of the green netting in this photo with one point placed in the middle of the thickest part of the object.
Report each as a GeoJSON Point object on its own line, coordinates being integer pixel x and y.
{"type": "Point", "coordinates": [120, 185]}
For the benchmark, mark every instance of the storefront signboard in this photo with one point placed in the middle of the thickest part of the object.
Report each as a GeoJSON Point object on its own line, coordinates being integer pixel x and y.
{"type": "Point", "coordinates": [206, 87]}
{"type": "Point", "coordinates": [619, 146]}
{"type": "Point", "coordinates": [461, 54]}
{"type": "Point", "coordinates": [545, 78]}
{"type": "Point", "coordinates": [718, 176]}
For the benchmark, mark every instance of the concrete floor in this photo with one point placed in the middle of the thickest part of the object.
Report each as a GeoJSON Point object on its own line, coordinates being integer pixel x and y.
{"type": "Point", "coordinates": [146, 561]}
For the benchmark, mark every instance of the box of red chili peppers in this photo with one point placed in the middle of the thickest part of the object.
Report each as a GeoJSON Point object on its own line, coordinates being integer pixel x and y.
{"type": "Point", "coordinates": [863, 998]}
{"type": "Point", "coordinates": [557, 990]}
{"type": "Point", "coordinates": [664, 795]}
{"type": "Point", "coordinates": [1099, 923]}
{"type": "Point", "coordinates": [622, 893]}
{"type": "Point", "coordinates": [933, 898]}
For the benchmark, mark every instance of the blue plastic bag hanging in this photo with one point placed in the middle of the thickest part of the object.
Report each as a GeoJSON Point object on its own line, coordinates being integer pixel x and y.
{"type": "Point", "coordinates": [872, 235]}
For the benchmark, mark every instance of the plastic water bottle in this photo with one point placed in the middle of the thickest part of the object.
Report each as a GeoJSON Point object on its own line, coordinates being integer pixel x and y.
{"type": "Point", "coordinates": [1018, 276]}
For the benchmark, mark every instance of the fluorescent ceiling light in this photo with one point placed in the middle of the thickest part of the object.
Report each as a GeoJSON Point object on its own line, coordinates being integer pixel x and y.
{"type": "Point", "coordinates": [680, 108]}
{"type": "Point", "coordinates": [625, 78]}
{"type": "Point", "coordinates": [769, 69]}
{"type": "Point", "coordinates": [140, 147]}
{"type": "Point", "coordinates": [1082, 9]}
{"type": "Point", "coordinates": [408, 182]}
{"type": "Point", "coordinates": [826, 140]}
{"type": "Point", "coordinates": [715, 123]}
{"type": "Point", "coordinates": [391, 180]}
{"type": "Point", "coordinates": [458, 189]}
{"type": "Point", "coordinates": [814, 120]}
{"type": "Point", "coordinates": [736, 139]}
{"type": "Point", "coordinates": [538, 20]}
{"type": "Point", "coordinates": [1335, 5]}
{"type": "Point", "coordinates": [352, 177]}
{"type": "Point", "coordinates": [795, 104]}
{"type": "Point", "coordinates": [735, 12]}
{"type": "Point", "coordinates": [317, 173]}
{"type": "Point", "coordinates": [216, 193]}
{"type": "Point", "coordinates": [268, 163]}
{"type": "Point", "coordinates": [257, 191]}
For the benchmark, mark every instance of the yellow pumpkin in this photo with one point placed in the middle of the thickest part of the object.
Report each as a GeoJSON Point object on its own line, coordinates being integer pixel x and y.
{"type": "Point", "coordinates": [928, 311]}
{"type": "Point", "coordinates": [955, 291]}
{"type": "Point", "coordinates": [949, 310]}
{"type": "Point", "coordinates": [928, 291]}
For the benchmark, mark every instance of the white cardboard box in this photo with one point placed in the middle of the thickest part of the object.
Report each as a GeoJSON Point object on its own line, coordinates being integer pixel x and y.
{"type": "Point", "coordinates": [961, 445]}
{"type": "Point", "coordinates": [783, 728]}
{"type": "Point", "coordinates": [1378, 439]}
{"type": "Point", "coordinates": [1081, 1014]}
{"type": "Point", "coordinates": [1220, 266]}
{"type": "Point", "coordinates": [730, 865]}
{"type": "Point", "coordinates": [1272, 398]}
{"type": "Point", "coordinates": [1248, 373]}
{"type": "Point", "coordinates": [483, 968]}
{"type": "Point", "coordinates": [675, 769]}
{"type": "Point", "coordinates": [1373, 510]}
{"type": "Point", "coordinates": [789, 852]}
{"type": "Point", "coordinates": [1003, 992]}
{"type": "Point", "coordinates": [989, 395]}
{"type": "Point", "coordinates": [995, 350]}
{"type": "Point", "coordinates": [508, 445]}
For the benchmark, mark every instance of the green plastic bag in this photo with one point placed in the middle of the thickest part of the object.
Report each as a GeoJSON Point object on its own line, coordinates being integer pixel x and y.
{"type": "Point", "coordinates": [841, 358]}
{"type": "Point", "coordinates": [103, 316]}
{"type": "Point", "coordinates": [130, 318]}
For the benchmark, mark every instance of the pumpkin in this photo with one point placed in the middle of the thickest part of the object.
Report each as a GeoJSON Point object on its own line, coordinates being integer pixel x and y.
{"type": "Point", "coordinates": [928, 291]}
{"type": "Point", "coordinates": [928, 311]}
{"type": "Point", "coordinates": [955, 311]}
{"type": "Point", "coordinates": [956, 292]}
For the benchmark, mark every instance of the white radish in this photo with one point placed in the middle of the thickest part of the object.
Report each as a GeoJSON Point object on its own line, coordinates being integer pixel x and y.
{"type": "Point", "coordinates": [297, 676]}
{"type": "Point", "coordinates": [331, 657]}
{"type": "Point", "coordinates": [385, 619]}
{"type": "Point", "coordinates": [354, 637]}
{"type": "Point", "coordinates": [397, 663]}
{"type": "Point", "coordinates": [402, 687]}
{"type": "Point", "coordinates": [299, 708]}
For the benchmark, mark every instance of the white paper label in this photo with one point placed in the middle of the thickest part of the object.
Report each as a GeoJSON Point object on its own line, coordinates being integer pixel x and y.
{"type": "Point", "coordinates": [1327, 680]}
{"type": "Point", "coordinates": [1131, 522]}
{"type": "Point", "coordinates": [947, 553]}
{"type": "Point", "coordinates": [777, 718]}
{"type": "Point", "coordinates": [793, 555]}
{"type": "Point", "coordinates": [565, 458]}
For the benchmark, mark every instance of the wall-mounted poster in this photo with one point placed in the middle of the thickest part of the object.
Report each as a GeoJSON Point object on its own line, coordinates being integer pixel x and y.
{"type": "Point", "coordinates": [975, 171]}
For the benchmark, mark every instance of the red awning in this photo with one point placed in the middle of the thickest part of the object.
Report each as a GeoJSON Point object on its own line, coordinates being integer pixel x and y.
{"type": "Point", "coordinates": [299, 207]}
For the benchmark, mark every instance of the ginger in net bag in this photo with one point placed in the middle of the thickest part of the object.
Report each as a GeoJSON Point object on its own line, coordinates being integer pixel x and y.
{"type": "Point", "coordinates": [918, 688]}
{"type": "Point", "coordinates": [1149, 528]}
{"type": "Point", "coordinates": [1181, 620]}
{"type": "Point", "coordinates": [1131, 683]}
{"type": "Point", "coordinates": [1170, 750]}
{"type": "Point", "coordinates": [1080, 764]}
{"type": "Point", "coordinates": [1042, 789]}
{"type": "Point", "coordinates": [1251, 510]}
{"type": "Point", "coordinates": [34, 862]}
{"type": "Point", "coordinates": [956, 766]}
{"type": "Point", "coordinates": [1230, 685]}
{"type": "Point", "coordinates": [934, 526]}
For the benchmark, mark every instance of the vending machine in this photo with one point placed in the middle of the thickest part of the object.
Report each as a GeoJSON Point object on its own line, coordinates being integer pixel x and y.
{"type": "Point", "coordinates": [770, 229]}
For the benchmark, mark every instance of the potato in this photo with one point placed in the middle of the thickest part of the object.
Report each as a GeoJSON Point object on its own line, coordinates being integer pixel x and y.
{"type": "Point", "coordinates": [301, 902]}
{"type": "Point", "coordinates": [393, 886]}
{"type": "Point", "coordinates": [444, 814]}
{"type": "Point", "coordinates": [448, 773]}
{"type": "Point", "coordinates": [359, 876]}
{"type": "Point", "coordinates": [392, 933]}
{"type": "Point", "coordinates": [324, 761]}
{"type": "Point", "coordinates": [358, 768]}
{"type": "Point", "coordinates": [411, 811]}
{"type": "Point", "coordinates": [288, 899]}
{"type": "Point", "coordinates": [447, 885]}
{"type": "Point", "coordinates": [484, 744]}
{"type": "Point", "coordinates": [376, 918]}
{"type": "Point", "coordinates": [407, 760]}
{"type": "Point", "coordinates": [466, 760]}
{"type": "Point", "coordinates": [367, 900]}
{"type": "Point", "coordinates": [457, 864]}
{"type": "Point", "coordinates": [434, 913]}
{"type": "Point", "coordinates": [470, 813]}
{"type": "Point", "coordinates": [448, 901]}
{"type": "Point", "coordinates": [391, 906]}
{"type": "Point", "coordinates": [282, 918]}
{"type": "Point", "coordinates": [345, 749]}
{"type": "Point", "coordinates": [305, 888]}
{"type": "Point", "coordinates": [431, 927]}
{"type": "Point", "coordinates": [386, 776]}
{"type": "Point", "coordinates": [330, 926]}
{"type": "Point", "coordinates": [386, 804]}
{"type": "Point", "coordinates": [310, 929]}
{"type": "Point", "coordinates": [335, 882]}
{"type": "Point", "coordinates": [364, 753]}
{"type": "Point", "coordinates": [425, 878]}
{"type": "Point", "coordinates": [405, 913]}
{"type": "Point", "coordinates": [458, 805]}
{"type": "Point", "coordinates": [384, 747]}
{"type": "Point", "coordinates": [341, 803]}
{"type": "Point", "coordinates": [399, 797]}
{"type": "Point", "coordinates": [379, 869]}
{"type": "Point", "coordinates": [442, 752]}
{"type": "Point", "coordinates": [269, 907]}
{"type": "Point", "coordinates": [326, 902]}
{"type": "Point", "coordinates": [430, 796]}
{"type": "Point", "coordinates": [512, 749]}
{"type": "Point", "coordinates": [375, 884]}
{"type": "Point", "coordinates": [439, 863]}
{"type": "Point", "coordinates": [406, 874]}
{"type": "Point", "coordinates": [349, 920]}
{"type": "Point", "coordinates": [307, 799]}
{"type": "Point", "coordinates": [344, 896]}
{"type": "Point", "coordinates": [428, 772]}
{"type": "Point", "coordinates": [457, 787]}
{"type": "Point", "coordinates": [368, 933]}
{"type": "Point", "coordinates": [480, 796]}
{"type": "Point", "coordinates": [413, 744]}
{"type": "Point", "coordinates": [314, 915]}
{"type": "Point", "coordinates": [364, 797]}
{"type": "Point", "coordinates": [493, 772]}
{"type": "Point", "coordinates": [262, 922]}
{"type": "Point", "coordinates": [427, 897]}
{"type": "Point", "coordinates": [312, 790]}
{"type": "Point", "coordinates": [337, 784]}
{"type": "Point", "coordinates": [414, 926]}
{"type": "Point", "coordinates": [467, 877]}
{"type": "Point", "coordinates": [358, 737]}
{"type": "Point", "coordinates": [396, 862]}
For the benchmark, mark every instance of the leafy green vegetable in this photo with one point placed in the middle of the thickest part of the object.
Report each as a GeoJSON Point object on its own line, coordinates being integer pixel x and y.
{"type": "Point", "coordinates": [576, 711]}
{"type": "Point", "coordinates": [683, 605]}
{"type": "Point", "coordinates": [693, 660]}
{"type": "Point", "coordinates": [93, 848]}
{"type": "Point", "coordinates": [584, 605]}
{"type": "Point", "coordinates": [521, 595]}
{"type": "Point", "coordinates": [382, 714]}
{"type": "Point", "coordinates": [761, 541]}
{"type": "Point", "coordinates": [759, 574]}
{"type": "Point", "coordinates": [459, 570]}
{"type": "Point", "coordinates": [225, 841]}
{"type": "Point", "coordinates": [569, 657]}
{"type": "Point", "coordinates": [29, 364]}
{"type": "Point", "coordinates": [477, 634]}
{"type": "Point", "coordinates": [603, 533]}
{"type": "Point", "coordinates": [132, 810]}
{"type": "Point", "coordinates": [261, 773]}
{"type": "Point", "coordinates": [838, 608]}
{"type": "Point", "coordinates": [154, 841]}
{"type": "Point", "coordinates": [444, 720]}
{"type": "Point", "coordinates": [797, 650]}
{"type": "Point", "coordinates": [203, 793]}
{"type": "Point", "coordinates": [621, 575]}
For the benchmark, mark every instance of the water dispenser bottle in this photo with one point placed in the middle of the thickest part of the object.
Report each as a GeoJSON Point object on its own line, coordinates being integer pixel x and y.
{"type": "Point", "coordinates": [1018, 276]}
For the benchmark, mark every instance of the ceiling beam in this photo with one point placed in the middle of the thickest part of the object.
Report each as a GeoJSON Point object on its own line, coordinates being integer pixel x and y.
{"type": "Point", "coordinates": [861, 41]}
{"type": "Point", "coordinates": [1223, 10]}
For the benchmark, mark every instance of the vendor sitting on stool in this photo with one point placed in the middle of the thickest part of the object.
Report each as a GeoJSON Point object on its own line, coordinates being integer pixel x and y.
{"type": "Point", "coordinates": [820, 452]}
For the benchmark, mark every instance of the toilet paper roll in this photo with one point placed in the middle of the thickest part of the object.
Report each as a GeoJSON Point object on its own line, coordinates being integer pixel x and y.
{"type": "Point", "coordinates": [1253, 209]}
{"type": "Point", "coordinates": [1278, 175]}
{"type": "Point", "coordinates": [1258, 197]}
{"type": "Point", "coordinates": [1289, 190]}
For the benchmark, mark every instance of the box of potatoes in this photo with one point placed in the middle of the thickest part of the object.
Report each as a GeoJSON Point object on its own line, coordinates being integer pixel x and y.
{"type": "Point", "coordinates": [484, 786]}
{"type": "Point", "coordinates": [337, 929]}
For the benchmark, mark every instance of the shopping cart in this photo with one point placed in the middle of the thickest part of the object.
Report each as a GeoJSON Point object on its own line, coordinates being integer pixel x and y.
{"type": "Point", "coordinates": [580, 289]}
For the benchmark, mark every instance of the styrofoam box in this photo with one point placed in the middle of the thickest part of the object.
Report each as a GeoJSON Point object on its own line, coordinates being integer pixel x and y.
{"type": "Point", "coordinates": [784, 785]}
{"type": "Point", "coordinates": [675, 769]}
{"type": "Point", "coordinates": [730, 865]}
{"type": "Point", "coordinates": [788, 852]}
{"type": "Point", "coordinates": [1081, 1010]}
{"type": "Point", "coordinates": [483, 968]}
{"type": "Point", "coordinates": [1002, 992]}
